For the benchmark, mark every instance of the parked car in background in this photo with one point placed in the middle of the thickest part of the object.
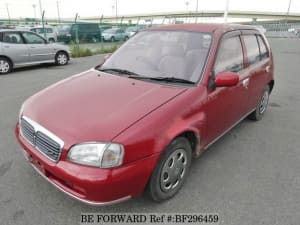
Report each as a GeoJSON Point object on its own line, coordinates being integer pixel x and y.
{"type": "Point", "coordinates": [130, 31]}
{"type": "Point", "coordinates": [134, 122]}
{"type": "Point", "coordinates": [261, 28]}
{"type": "Point", "coordinates": [114, 34]}
{"type": "Point", "coordinates": [87, 32]}
{"type": "Point", "coordinates": [25, 48]}
{"type": "Point", "coordinates": [47, 32]}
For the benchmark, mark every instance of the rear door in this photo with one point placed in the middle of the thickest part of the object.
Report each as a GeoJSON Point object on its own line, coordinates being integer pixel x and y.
{"type": "Point", "coordinates": [14, 47]}
{"type": "Point", "coordinates": [259, 65]}
{"type": "Point", "coordinates": [38, 48]}
{"type": "Point", "coordinates": [227, 105]}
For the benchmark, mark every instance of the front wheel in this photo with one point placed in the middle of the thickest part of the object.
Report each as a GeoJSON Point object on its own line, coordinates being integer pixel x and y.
{"type": "Point", "coordinates": [61, 58]}
{"type": "Point", "coordinates": [261, 107]}
{"type": "Point", "coordinates": [171, 170]}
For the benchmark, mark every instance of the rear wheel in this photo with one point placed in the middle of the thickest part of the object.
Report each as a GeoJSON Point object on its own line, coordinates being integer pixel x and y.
{"type": "Point", "coordinates": [171, 170]}
{"type": "Point", "coordinates": [61, 58]}
{"type": "Point", "coordinates": [261, 107]}
{"type": "Point", "coordinates": [112, 39]}
{"type": "Point", "coordinates": [5, 65]}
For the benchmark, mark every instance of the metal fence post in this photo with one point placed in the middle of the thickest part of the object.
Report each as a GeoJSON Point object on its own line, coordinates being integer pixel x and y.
{"type": "Point", "coordinates": [43, 24]}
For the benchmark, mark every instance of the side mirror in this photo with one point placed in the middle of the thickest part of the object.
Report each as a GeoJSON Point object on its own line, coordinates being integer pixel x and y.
{"type": "Point", "coordinates": [226, 79]}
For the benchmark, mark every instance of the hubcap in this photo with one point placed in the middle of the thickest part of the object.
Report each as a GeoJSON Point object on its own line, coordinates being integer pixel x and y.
{"type": "Point", "coordinates": [4, 66]}
{"type": "Point", "coordinates": [264, 102]}
{"type": "Point", "coordinates": [173, 170]}
{"type": "Point", "coordinates": [62, 59]}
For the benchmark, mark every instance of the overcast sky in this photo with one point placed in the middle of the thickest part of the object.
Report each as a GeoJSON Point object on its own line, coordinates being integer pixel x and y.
{"type": "Point", "coordinates": [68, 8]}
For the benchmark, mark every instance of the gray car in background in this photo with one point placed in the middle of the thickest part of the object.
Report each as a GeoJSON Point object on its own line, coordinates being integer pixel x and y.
{"type": "Point", "coordinates": [114, 34]}
{"type": "Point", "coordinates": [25, 48]}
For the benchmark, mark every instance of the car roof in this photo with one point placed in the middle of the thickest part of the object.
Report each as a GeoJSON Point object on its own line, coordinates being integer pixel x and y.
{"type": "Point", "coordinates": [204, 27]}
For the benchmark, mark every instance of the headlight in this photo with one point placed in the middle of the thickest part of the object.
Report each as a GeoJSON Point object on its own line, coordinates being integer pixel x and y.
{"type": "Point", "coordinates": [104, 155]}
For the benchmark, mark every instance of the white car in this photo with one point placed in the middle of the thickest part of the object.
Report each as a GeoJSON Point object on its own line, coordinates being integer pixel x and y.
{"type": "Point", "coordinates": [47, 32]}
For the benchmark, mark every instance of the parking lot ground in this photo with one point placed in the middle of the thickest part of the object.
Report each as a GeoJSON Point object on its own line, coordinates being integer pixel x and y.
{"type": "Point", "coordinates": [250, 176]}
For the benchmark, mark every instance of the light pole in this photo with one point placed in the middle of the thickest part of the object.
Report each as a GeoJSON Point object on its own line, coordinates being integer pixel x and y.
{"type": "Point", "coordinates": [34, 11]}
{"type": "Point", "coordinates": [8, 15]}
{"type": "Point", "coordinates": [288, 11]}
{"type": "Point", "coordinates": [226, 11]}
{"type": "Point", "coordinates": [116, 9]}
{"type": "Point", "coordinates": [187, 5]}
{"type": "Point", "coordinates": [57, 5]}
{"type": "Point", "coordinates": [196, 20]}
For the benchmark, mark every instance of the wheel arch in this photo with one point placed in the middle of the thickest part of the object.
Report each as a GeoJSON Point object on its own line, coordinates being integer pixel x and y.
{"type": "Point", "coordinates": [64, 51]}
{"type": "Point", "coordinates": [8, 58]}
{"type": "Point", "coordinates": [193, 138]}
{"type": "Point", "coordinates": [271, 85]}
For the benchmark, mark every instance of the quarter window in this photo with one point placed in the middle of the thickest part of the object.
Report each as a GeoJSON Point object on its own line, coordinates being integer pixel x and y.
{"type": "Point", "coordinates": [263, 48]}
{"type": "Point", "coordinates": [230, 56]}
{"type": "Point", "coordinates": [252, 48]}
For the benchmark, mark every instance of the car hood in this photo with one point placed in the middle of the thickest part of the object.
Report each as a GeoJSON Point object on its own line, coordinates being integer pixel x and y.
{"type": "Point", "coordinates": [95, 106]}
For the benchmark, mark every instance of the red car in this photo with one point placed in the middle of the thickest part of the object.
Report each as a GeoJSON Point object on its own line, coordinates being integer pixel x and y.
{"type": "Point", "coordinates": [134, 122]}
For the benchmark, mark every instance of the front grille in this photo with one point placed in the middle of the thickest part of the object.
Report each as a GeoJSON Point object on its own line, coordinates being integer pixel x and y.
{"type": "Point", "coordinates": [43, 140]}
{"type": "Point", "coordinates": [27, 130]}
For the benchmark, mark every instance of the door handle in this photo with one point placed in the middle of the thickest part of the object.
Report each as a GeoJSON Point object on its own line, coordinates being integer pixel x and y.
{"type": "Point", "coordinates": [246, 82]}
{"type": "Point", "coordinates": [6, 46]}
{"type": "Point", "coordinates": [267, 69]}
{"type": "Point", "coordinates": [32, 47]}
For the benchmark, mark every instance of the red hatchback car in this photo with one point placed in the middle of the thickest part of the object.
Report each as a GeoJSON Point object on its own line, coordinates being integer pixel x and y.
{"type": "Point", "coordinates": [136, 120]}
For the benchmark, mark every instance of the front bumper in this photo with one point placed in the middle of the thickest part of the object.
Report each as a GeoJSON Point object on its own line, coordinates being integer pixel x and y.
{"type": "Point", "coordinates": [91, 185]}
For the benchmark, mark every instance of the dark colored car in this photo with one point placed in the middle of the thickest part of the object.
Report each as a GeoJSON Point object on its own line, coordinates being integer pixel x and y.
{"type": "Point", "coordinates": [137, 120]}
{"type": "Point", "coordinates": [88, 32]}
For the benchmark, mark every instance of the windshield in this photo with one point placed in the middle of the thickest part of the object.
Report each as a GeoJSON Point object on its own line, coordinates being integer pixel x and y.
{"type": "Point", "coordinates": [131, 29]}
{"type": "Point", "coordinates": [110, 31]}
{"type": "Point", "coordinates": [179, 54]}
{"type": "Point", "coordinates": [65, 28]}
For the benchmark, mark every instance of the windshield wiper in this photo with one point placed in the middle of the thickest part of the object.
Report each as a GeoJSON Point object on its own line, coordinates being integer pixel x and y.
{"type": "Point", "coordinates": [166, 79]}
{"type": "Point", "coordinates": [120, 71]}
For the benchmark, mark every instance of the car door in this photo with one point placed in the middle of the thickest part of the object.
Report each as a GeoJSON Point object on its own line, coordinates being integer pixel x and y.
{"type": "Point", "coordinates": [14, 47]}
{"type": "Point", "coordinates": [227, 105]}
{"type": "Point", "coordinates": [38, 47]}
{"type": "Point", "coordinates": [258, 64]}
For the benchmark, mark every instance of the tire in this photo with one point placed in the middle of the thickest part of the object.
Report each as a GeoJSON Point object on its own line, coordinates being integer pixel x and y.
{"type": "Point", "coordinates": [171, 170]}
{"type": "Point", "coordinates": [112, 39]}
{"type": "Point", "coordinates": [5, 65]}
{"type": "Point", "coordinates": [61, 58]}
{"type": "Point", "coordinates": [126, 38]}
{"type": "Point", "coordinates": [51, 40]}
{"type": "Point", "coordinates": [261, 107]}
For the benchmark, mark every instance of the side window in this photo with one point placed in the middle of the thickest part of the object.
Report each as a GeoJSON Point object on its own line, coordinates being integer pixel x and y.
{"type": "Point", "coordinates": [13, 38]}
{"type": "Point", "coordinates": [49, 30]}
{"type": "Point", "coordinates": [262, 48]}
{"type": "Point", "coordinates": [32, 38]}
{"type": "Point", "coordinates": [230, 56]}
{"type": "Point", "coordinates": [252, 49]}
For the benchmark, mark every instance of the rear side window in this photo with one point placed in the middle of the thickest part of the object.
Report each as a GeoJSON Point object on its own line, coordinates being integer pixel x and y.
{"type": "Point", "coordinates": [252, 48]}
{"type": "Point", "coordinates": [12, 37]}
{"type": "Point", "coordinates": [262, 48]}
{"type": "Point", "coordinates": [230, 56]}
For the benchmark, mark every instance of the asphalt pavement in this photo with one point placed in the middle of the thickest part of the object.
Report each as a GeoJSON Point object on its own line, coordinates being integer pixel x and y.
{"type": "Point", "coordinates": [250, 176]}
